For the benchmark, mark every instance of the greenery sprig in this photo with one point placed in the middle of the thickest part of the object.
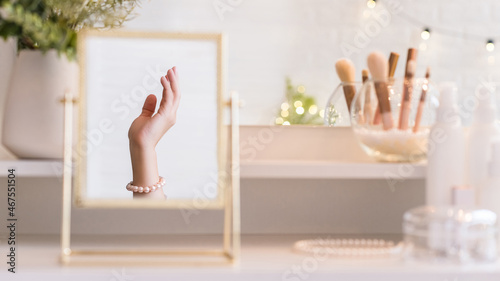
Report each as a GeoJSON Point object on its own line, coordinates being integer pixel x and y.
{"type": "Point", "coordinates": [298, 108]}
{"type": "Point", "coordinates": [54, 24]}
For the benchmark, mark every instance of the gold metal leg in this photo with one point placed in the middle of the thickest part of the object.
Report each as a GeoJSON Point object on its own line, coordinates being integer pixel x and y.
{"type": "Point", "coordinates": [235, 174]}
{"type": "Point", "coordinates": [68, 102]}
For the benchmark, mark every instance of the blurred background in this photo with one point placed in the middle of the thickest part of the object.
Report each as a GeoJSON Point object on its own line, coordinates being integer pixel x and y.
{"type": "Point", "coordinates": [271, 40]}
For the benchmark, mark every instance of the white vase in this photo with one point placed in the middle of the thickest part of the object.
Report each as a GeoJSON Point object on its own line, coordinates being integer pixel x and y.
{"type": "Point", "coordinates": [8, 51]}
{"type": "Point", "coordinates": [33, 116]}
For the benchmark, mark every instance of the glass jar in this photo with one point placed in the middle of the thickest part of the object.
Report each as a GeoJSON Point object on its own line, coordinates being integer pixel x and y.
{"type": "Point", "coordinates": [393, 135]}
{"type": "Point", "coordinates": [450, 234]}
{"type": "Point", "coordinates": [337, 111]}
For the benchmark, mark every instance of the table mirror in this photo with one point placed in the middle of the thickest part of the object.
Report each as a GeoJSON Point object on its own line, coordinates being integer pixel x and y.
{"type": "Point", "coordinates": [118, 71]}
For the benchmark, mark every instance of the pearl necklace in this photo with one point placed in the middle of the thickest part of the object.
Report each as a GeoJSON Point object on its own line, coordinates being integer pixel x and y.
{"type": "Point", "coordinates": [348, 247]}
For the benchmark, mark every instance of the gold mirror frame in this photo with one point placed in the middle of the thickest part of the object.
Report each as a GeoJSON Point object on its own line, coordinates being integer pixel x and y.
{"type": "Point", "coordinates": [80, 199]}
{"type": "Point", "coordinates": [227, 200]}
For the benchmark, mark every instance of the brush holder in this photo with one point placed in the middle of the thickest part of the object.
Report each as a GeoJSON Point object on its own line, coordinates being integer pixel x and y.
{"type": "Point", "coordinates": [337, 111]}
{"type": "Point", "coordinates": [399, 143]}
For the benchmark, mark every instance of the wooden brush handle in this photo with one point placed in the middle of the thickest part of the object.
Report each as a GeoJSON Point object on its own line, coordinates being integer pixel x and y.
{"type": "Point", "coordinates": [384, 104]}
{"type": "Point", "coordinates": [404, 113]}
{"type": "Point", "coordinates": [376, 118]}
{"type": "Point", "coordinates": [349, 92]}
{"type": "Point", "coordinates": [404, 116]}
{"type": "Point", "coordinates": [367, 109]}
{"type": "Point", "coordinates": [408, 89]}
{"type": "Point", "coordinates": [423, 95]}
{"type": "Point", "coordinates": [393, 62]}
{"type": "Point", "coordinates": [418, 118]}
{"type": "Point", "coordinates": [383, 96]}
{"type": "Point", "coordinates": [420, 109]}
{"type": "Point", "coordinates": [412, 54]}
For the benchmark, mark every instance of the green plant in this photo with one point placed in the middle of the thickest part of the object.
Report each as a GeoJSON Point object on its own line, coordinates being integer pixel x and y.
{"type": "Point", "coordinates": [54, 24]}
{"type": "Point", "coordinates": [299, 108]}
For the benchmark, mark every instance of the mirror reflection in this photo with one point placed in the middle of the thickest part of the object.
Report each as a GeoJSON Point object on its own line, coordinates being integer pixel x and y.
{"type": "Point", "coordinates": [151, 116]}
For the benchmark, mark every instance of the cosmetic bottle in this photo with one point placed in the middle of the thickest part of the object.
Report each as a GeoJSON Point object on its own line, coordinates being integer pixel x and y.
{"type": "Point", "coordinates": [445, 156]}
{"type": "Point", "coordinates": [489, 194]}
{"type": "Point", "coordinates": [482, 131]}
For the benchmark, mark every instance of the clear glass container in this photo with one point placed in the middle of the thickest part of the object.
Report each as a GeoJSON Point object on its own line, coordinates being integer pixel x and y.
{"type": "Point", "coordinates": [450, 235]}
{"type": "Point", "coordinates": [337, 111]}
{"type": "Point", "coordinates": [402, 142]}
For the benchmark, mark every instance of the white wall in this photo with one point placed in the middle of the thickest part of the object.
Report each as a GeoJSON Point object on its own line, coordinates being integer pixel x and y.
{"type": "Point", "coordinates": [269, 40]}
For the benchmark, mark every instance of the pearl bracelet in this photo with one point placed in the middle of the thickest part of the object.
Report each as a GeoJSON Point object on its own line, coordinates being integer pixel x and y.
{"type": "Point", "coordinates": [147, 189]}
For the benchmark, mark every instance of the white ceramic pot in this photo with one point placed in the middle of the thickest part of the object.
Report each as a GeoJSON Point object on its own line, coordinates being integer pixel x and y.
{"type": "Point", "coordinates": [8, 51]}
{"type": "Point", "coordinates": [33, 117]}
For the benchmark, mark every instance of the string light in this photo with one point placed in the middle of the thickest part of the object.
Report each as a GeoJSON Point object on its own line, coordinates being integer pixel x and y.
{"type": "Point", "coordinates": [490, 45]}
{"type": "Point", "coordinates": [371, 4]}
{"type": "Point", "coordinates": [284, 113]}
{"type": "Point", "coordinates": [313, 109]}
{"type": "Point", "coordinates": [299, 110]}
{"type": "Point", "coordinates": [286, 123]}
{"type": "Point", "coordinates": [426, 34]}
{"type": "Point", "coordinates": [279, 121]}
{"type": "Point", "coordinates": [297, 104]}
{"type": "Point", "coordinates": [285, 106]}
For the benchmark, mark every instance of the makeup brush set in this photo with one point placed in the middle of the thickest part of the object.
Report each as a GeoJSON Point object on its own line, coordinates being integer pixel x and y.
{"type": "Point", "coordinates": [390, 116]}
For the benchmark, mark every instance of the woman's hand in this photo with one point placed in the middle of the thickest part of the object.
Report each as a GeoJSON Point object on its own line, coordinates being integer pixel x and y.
{"type": "Point", "coordinates": [148, 129]}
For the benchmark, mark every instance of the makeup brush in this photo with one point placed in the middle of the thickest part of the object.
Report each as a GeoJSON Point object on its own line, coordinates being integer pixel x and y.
{"type": "Point", "coordinates": [393, 62]}
{"type": "Point", "coordinates": [346, 72]}
{"type": "Point", "coordinates": [421, 104]}
{"type": "Point", "coordinates": [404, 113]}
{"type": "Point", "coordinates": [411, 55]}
{"type": "Point", "coordinates": [367, 108]}
{"type": "Point", "coordinates": [365, 75]}
{"type": "Point", "coordinates": [378, 66]}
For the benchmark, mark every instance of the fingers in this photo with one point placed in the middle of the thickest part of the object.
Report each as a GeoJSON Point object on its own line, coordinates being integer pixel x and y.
{"type": "Point", "coordinates": [171, 93]}
{"type": "Point", "coordinates": [167, 96]}
{"type": "Point", "coordinates": [174, 84]}
{"type": "Point", "coordinates": [148, 109]}
{"type": "Point", "coordinates": [172, 79]}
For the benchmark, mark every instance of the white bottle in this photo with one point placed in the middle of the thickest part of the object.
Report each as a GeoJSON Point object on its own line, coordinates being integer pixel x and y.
{"type": "Point", "coordinates": [489, 194]}
{"type": "Point", "coordinates": [445, 155]}
{"type": "Point", "coordinates": [482, 131]}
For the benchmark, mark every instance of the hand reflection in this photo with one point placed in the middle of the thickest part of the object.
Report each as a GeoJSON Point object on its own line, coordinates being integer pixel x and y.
{"type": "Point", "coordinates": [148, 129]}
